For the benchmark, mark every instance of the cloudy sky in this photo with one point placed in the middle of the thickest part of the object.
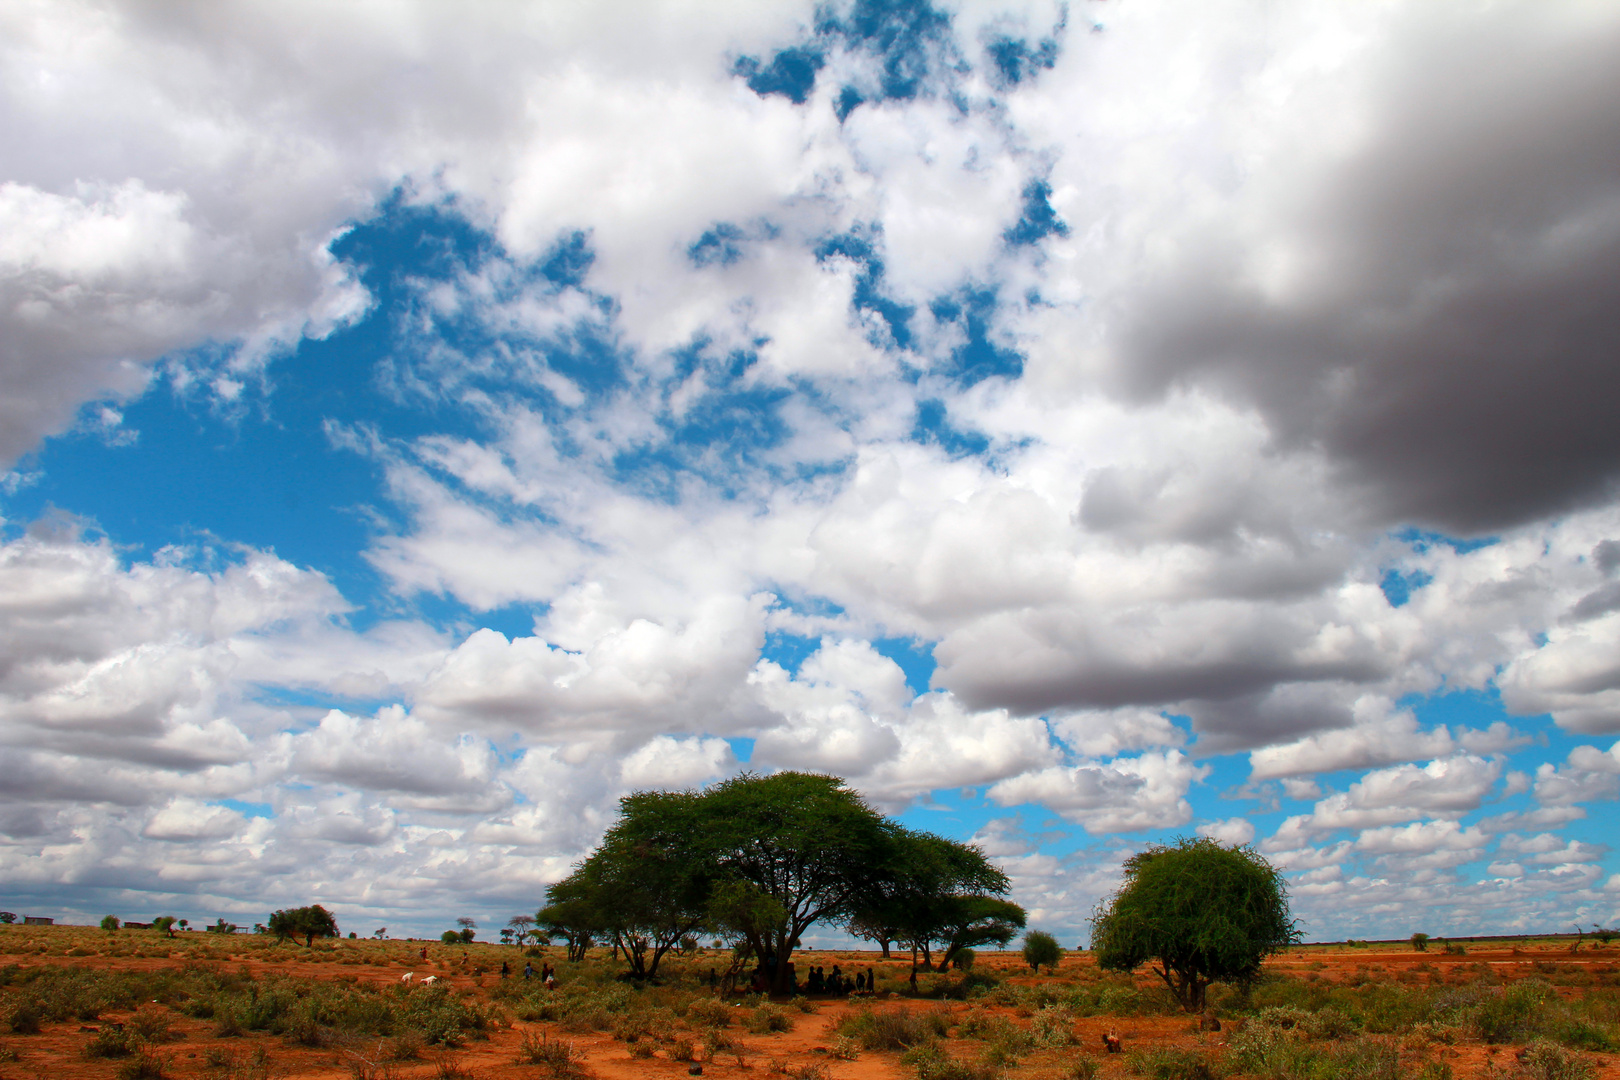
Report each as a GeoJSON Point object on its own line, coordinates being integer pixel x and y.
{"type": "Point", "coordinates": [1076, 424]}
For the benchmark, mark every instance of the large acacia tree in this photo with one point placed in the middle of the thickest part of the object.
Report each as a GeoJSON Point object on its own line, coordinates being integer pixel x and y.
{"type": "Point", "coordinates": [938, 892]}
{"type": "Point", "coordinates": [642, 887]}
{"type": "Point", "coordinates": [1201, 911]}
{"type": "Point", "coordinates": [803, 840]}
{"type": "Point", "coordinates": [764, 858]}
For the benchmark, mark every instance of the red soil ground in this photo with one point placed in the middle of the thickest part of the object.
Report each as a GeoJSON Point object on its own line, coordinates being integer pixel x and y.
{"type": "Point", "coordinates": [57, 1051]}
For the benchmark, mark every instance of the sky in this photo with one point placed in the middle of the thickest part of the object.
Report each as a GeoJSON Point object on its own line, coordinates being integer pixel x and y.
{"type": "Point", "coordinates": [1077, 425]}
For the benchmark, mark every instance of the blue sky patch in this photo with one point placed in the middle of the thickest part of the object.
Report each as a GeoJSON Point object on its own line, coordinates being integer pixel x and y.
{"type": "Point", "coordinates": [1038, 219]}
{"type": "Point", "coordinates": [980, 357]}
{"type": "Point", "coordinates": [791, 73]}
{"type": "Point", "coordinates": [1014, 61]}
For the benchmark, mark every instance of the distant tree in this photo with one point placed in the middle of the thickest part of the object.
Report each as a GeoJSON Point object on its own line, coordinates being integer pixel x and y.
{"type": "Point", "coordinates": [8, 917]}
{"type": "Point", "coordinates": [875, 924]}
{"type": "Point", "coordinates": [1041, 948]}
{"type": "Point", "coordinates": [506, 935]}
{"type": "Point", "coordinates": [185, 924]}
{"type": "Point", "coordinates": [572, 918]}
{"type": "Point", "coordinates": [308, 923]}
{"type": "Point", "coordinates": [520, 924]}
{"type": "Point", "coordinates": [380, 933]}
{"type": "Point", "coordinates": [467, 923]}
{"type": "Point", "coordinates": [110, 923]}
{"type": "Point", "coordinates": [1420, 942]}
{"type": "Point", "coordinates": [164, 923]}
{"type": "Point", "coordinates": [451, 937]}
{"type": "Point", "coordinates": [1205, 912]}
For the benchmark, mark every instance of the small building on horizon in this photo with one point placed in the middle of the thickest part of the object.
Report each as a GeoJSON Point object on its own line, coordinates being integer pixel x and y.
{"type": "Point", "coordinates": [38, 920]}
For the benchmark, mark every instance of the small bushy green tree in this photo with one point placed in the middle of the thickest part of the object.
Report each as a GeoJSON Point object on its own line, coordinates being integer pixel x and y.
{"type": "Point", "coordinates": [1042, 949]}
{"type": "Point", "coordinates": [308, 923]}
{"type": "Point", "coordinates": [110, 923]}
{"type": "Point", "coordinates": [1420, 942]}
{"type": "Point", "coordinates": [1204, 912]}
{"type": "Point", "coordinates": [164, 923]}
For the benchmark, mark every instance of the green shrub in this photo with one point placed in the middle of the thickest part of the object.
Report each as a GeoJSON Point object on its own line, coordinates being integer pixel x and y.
{"type": "Point", "coordinates": [1543, 1060]}
{"type": "Point", "coordinates": [145, 1065]}
{"type": "Point", "coordinates": [1513, 1014]}
{"type": "Point", "coordinates": [894, 1029]}
{"type": "Point", "coordinates": [1171, 1063]}
{"type": "Point", "coordinates": [767, 1018]}
{"type": "Point", "coordinates": [708, 1012]}
{"type": "Point", "coordinates": [931, 1062]}
{"type": "Point", "coordinates": [1053, 1026]}
{"type": "Point", "coordinates": [110, 1042]}
{"type": "Point", "coordinates": [24, 1018]}
{"type": "Point", "coordinates": [1042, 950]}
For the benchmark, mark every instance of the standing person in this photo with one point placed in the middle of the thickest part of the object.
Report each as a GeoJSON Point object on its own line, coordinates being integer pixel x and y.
{"type": "Point", "coordinates": [528, 971]}
{"type": "Point", "coordinates": [506, 969]}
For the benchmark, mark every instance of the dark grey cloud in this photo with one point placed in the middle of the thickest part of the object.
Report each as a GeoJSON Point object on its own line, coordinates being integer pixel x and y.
{"type": "Point", "coordinates": [1453, 340]}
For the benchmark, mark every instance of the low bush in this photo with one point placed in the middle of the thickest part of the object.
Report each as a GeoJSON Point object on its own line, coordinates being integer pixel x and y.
{"type": "Point", "coordinates": [552, 1054]}
{"type": "Point", "coordinates": [145, 1065]}
{"type": "Point", "coordinates": [1543, 1060]}
{"type": "Point", "coordinates": [1053, 1026]}
{"type": "Point", "coordinates": [894, 1029]}
{"type": "Point", "coordinates": [1171, 1063]}
{"type": "Point", "coordinates": [932, 1062]}
{"type": "Point", "coordinates": [111, 1042]}
{"type": "Point", "coordinates": [766, 1018]}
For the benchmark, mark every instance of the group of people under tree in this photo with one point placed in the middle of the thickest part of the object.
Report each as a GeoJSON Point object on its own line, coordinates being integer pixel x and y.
{"type": "Point", "coordinates": [759, 860]}
{"type": "Point", "coordinates": [837, 983]}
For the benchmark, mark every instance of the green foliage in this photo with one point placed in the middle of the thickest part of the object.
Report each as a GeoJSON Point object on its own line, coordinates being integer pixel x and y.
{"type": "Point", "coordinates": [1205, 912]}
{"type": "Point", "coordinates": [765, 1018]}
{"type": "Point", "coordinates": [110, 923]}
{"type": "Point", "coordinates": [893, 1029]}
{"type": "Point", "coordinates": [1544, 1060]}
{"type": "Point", "coordinates": [1420, 942]}
{"type": "Point", "coordinates": [110, 1042]}
{"type": "Point", "coordinates": [932, 1062]}
{"type": "Point", "coordinates": [805, 840]}
{"type": "Point", "coordinates": [1171, 1063]}
{"type": "Point", "coordinates": [1290, 1044]}
{"type": "Point", "coordinates": [642, 887]}
{"type": "Point", "coordinates": [450, 937]}
{"type": "Point", "coordinates": [1041, 948]}
{"type": "Point", "coordinates": [937, 892]}
{"type": "Point", "coordinates": [164, 924]}
{"type": "Point", "coordinates": [1513, 1014]}
{"type": "Point", "coordinates": [308, 923]}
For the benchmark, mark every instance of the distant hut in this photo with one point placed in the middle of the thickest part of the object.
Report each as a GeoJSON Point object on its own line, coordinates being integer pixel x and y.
{"type": "Point", "coordinates": [37, 920]}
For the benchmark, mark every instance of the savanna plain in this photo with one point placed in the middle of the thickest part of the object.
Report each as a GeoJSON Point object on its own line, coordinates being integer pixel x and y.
{"type": "Point", "coordinates": [78, 1002]}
